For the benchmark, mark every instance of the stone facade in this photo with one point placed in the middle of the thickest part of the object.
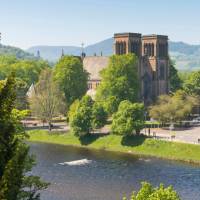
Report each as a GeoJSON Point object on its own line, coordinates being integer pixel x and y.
{"type": "Point", "coordinates": [153, 65]}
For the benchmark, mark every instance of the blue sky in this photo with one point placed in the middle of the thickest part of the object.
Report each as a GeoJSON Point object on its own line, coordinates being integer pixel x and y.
{"type": "Point", "coordinates": [26, 23]}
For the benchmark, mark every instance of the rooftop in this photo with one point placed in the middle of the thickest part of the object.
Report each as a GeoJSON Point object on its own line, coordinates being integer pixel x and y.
{"type": "Point", "coordinates": [94, 64]}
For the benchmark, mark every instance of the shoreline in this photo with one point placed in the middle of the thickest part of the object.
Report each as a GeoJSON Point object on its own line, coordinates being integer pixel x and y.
{"type": "Point", "coordinates": [67, 139]}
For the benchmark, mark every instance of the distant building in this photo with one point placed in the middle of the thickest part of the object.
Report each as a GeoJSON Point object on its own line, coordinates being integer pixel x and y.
{"type": "Point", "coordinates": [153, 65]}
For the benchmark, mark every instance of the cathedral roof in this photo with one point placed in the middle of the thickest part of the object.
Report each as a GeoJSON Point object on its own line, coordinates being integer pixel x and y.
{"type": "Point", "coordinates": [94, 64]}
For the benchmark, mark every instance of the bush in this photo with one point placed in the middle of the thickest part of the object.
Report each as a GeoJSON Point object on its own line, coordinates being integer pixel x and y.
{"type": "Point", "coordinates": [128, 118]}
{"type": "Point", "coordinates": [147, 192]}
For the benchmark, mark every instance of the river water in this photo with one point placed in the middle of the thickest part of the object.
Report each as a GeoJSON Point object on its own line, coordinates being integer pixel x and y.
{"type": "Point", "coordinates": [108, 176]}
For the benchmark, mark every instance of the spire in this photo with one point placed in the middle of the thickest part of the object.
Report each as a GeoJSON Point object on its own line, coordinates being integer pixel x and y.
{"type": "Point", "coordinates": [83, 54]}
{"type": "Point", "coordinates": [63, 53]}
{"type": "Point", "coordinates": [38, 54]}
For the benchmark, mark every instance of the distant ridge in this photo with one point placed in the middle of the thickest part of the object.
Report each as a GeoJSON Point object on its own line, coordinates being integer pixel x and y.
{"type": "Point", "coordinates": [14, 51]}
{"type": "Point", "coordinates": [187, 56]}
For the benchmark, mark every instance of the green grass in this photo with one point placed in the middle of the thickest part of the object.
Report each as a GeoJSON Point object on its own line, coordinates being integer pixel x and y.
{"type": "Point", "coordinates": [134, 145]}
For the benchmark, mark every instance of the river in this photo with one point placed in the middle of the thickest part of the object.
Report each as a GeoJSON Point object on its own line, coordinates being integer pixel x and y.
{"type": "Point", "coordinates": [108, 176]}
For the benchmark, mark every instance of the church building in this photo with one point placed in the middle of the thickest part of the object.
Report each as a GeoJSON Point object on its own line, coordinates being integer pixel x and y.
{"type": "Point", "coordinates": [153, 63]}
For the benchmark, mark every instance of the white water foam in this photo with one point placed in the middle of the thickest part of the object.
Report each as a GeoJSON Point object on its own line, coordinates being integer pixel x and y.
{"type": "Point", "coordinates": [77, 162]}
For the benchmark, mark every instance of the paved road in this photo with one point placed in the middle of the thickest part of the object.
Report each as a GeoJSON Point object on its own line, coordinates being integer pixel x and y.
{"type": "Point", "coordinates": [189, 135]}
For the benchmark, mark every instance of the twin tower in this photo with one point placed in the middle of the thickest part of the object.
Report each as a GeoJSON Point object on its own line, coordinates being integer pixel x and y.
{"type": "Point", "coordinates": [153, 65]}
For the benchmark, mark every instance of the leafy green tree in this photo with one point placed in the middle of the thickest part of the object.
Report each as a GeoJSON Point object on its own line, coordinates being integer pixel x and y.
{"type": "Point", "coordinates": [26, 71]}
{"type": "Point", "coordinates": [99, 116]}
{"type": "Point", "coordinates": [72, 110]}
{"type": "Point", "coordinates": [147, 192]}
{"type": "Point", "coordinates": [192, 85]}
{"type": "Point", "coordinates": [129, 117]}
{"type": "Point", "coordinates": [173, 108]}
{"type": "Point", "coordinates": [175, 80]}
{"type": "Point", "coordinates": [80, 120]}
{"type": "Point", "coordinates": [47, 101]}
{"type": "Point", "coordinates": [14, 152]}
{"type": "Point", "coordinates": [119, 81]}
{"type": "Point", "coordinates": [72, 78]}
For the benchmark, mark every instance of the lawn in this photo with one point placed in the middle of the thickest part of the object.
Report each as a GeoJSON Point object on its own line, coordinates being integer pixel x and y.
{"type": "Point", "coordinates": [135, 145]}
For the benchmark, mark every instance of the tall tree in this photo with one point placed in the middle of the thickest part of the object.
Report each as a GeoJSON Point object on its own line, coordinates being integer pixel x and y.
{"type": "Point", "coordinates": [119, 81]}
{"type": "Point", "coordinates": [15, 160]}
{"type": "Point", "coordinates": [47, 101]}
{"type": "Point", "coordinates": [192, 84]}
{"type": "Point", "coordinates": [175, 80]}
{"type": "Point", "coordinates": [72, 78]}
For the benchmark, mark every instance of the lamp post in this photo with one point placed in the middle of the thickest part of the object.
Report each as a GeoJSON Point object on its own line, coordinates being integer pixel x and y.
{"type": "Point", "coordinates": [145, 118]}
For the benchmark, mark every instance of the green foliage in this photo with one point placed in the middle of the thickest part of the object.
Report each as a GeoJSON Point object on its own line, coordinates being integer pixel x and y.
{"type": "Point", "coordinates": [111, 104]}
{"type": "Point", "coordinates": [86, 115]}
{"type": "Point", "coordinates": [15, 52]}
{"type": "Point", "coordinates": [173, 108]}
{"type": "Point", "coordinates": [72, 78]}
{"type": "Point", "coordinates": [147, 192]}
{"type": "Point", "coordinates": [72, 110]}
{"type": "Point", "coordinates": [47, 101]}
{"type": "Point", "coordinates": [26, 71]}
{"type": "Point", "coordinates": [80, 120]}
{"type": "Point", "coordinates": [119, 81]}
{"type": "Point", "coordinates": [175, 81]}
{"type": "Point", "coordinates": [99, 116]}
{"type": "Point", "coordinates": [192, 85]}
{"type": "Point", "coordinates": [129, 117]}
{"type": "Point", "coordinates": [15, 160]}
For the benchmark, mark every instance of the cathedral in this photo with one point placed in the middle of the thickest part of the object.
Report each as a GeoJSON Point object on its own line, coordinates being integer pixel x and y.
{"type": "Point", "coordinates": [153, 63]}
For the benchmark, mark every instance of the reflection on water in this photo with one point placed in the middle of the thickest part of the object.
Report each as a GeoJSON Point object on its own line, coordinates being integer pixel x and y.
{"type": "Point", "coordinates": [109, 176]}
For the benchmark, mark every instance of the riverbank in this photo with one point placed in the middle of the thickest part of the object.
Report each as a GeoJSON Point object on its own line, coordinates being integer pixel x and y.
{"type": "Point", "coordinates": [134, 145]}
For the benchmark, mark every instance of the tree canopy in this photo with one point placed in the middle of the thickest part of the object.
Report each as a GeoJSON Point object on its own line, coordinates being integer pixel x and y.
{"type": "Point", "coordinates": [192, 84]}
{"type": "Point", "coordinates": [71, 77]}
{"type": "Point", "coordinates": [26, 72]}
{"type": "Point", "coordinates": [14, 152]}
{"type": "Point", "coordinates": [119, 81]}
{"type": "Point", "coordinates": [173, 108]}
{"type": "Point", "coordinates": [128, 118]}
{"type": "Point", "coordinates": [47, 101]}
{"type": "Point", "coordinates": [175, 80]}
{"type": "Point", "coordinates": [148, 192]}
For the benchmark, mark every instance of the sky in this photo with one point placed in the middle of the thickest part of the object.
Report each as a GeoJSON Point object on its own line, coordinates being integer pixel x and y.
{"type": "Point", "coordinates": [26, 23]}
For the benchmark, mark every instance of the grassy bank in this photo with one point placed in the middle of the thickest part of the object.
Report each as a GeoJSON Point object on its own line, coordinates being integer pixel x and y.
{"type": "Point", "coordinates": [134, 145]}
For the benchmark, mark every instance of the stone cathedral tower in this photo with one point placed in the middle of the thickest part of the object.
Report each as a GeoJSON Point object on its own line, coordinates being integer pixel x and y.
{"type": "Point", "coordinates": [153, 61]}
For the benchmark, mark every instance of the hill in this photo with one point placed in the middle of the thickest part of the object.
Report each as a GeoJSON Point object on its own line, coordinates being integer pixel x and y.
{"type": "Point", "coordinates": [186, 56]}
{"type": "Point", "coordinates": [19, 53]}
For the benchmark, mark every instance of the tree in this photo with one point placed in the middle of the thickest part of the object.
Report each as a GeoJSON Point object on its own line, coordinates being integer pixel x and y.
{"type": "Point", "coordinates": [173, 108]}
{"type": "Point", "coordinates": [71, 77]}
{"type": "Point", "coordinates": [99, 116]}
{"type": "Point", "coordinates": [48, 101]}
{"type": "Point", "coordinates": [175, 80]}
{"type": "Point", "coordinates": [86, 115]}
{"type": "Point", "coordinates": [80, 120]}
{"type": "Point", "coordinates": [119, 81]}
{"type": "Point", "coordinates": [129, 117]}
{"type": "Point", "coordinates": [192, 84]}
{"type": "Point", "coordinates": [26, 72]}
{"type": "Point", "coordinates": [147, 192]}
{"type": "Point", "coordinates": [14, 152]}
